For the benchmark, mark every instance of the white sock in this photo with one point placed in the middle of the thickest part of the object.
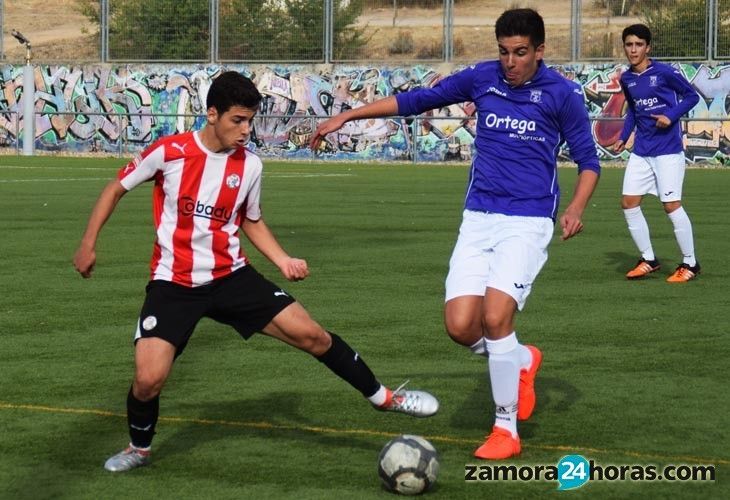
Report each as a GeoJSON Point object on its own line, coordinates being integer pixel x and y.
{"type": "Point", "coordinates": [504, 375]}
{"type": "Point", "coordinates": [525, 356]}
{"type": "Point", "coordinates": [639, 230]}
{"type": "Point", "coordinates": [683, 233]}
{"type": "Point", "coordinates": [479, 347]}
{"type": "Point", "coordinates": [378, 399]}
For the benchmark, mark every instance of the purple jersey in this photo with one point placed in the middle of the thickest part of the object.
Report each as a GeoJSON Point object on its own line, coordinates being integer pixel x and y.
{"type": "Point", "coordinates": [519, 133]}
{"type": "Point", "coordinates": [658, 90]}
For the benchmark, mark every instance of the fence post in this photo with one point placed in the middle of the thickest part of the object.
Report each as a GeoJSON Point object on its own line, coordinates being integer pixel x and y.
{"type": "Point", "coordinates": [17, 133]}
{"type": "Point", "coordinates": [448, 30]}
{"type": "Point", "coordinates": [213, 24]}
{"type": "Point", "coordinates": [414, 138]}
{"type": "Point", "coordinates": [712, 27]}
{"type": "Point", "coordinates": [122, 133]}
{"type": "Point", "coordinates": [104, 30]}
{"type": "Point", "coordinates": [328, 29]}
{"type": "Point", "coordinates": [575, 12]}
{"type": "Point", "coordinates": [312, 127]}
{"type": "Point", "coordinates": [2, 27]}
{"type": "Point", "coordinates": [28, 110]}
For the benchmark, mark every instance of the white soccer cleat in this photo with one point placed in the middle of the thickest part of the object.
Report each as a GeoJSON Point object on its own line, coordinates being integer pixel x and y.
{"type": "Point", "coordinates": [127, 459]}
{"type": "Point", "coordinates": [414, 403]}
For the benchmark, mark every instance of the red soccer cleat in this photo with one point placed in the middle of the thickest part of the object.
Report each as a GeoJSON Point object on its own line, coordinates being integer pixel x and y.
{"type": "Point", "coordinates": [526, 393]}
{"type": "Point", "coordinates": [500, 444]}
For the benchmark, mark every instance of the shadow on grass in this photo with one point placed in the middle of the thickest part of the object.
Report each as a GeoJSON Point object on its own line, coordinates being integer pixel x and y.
{"type": "Point", "coordinates": [476, 412]}
{"type": "Point", "coordinates": [277, 415]}
{"type": "Point", "coordinates": [621, 261]}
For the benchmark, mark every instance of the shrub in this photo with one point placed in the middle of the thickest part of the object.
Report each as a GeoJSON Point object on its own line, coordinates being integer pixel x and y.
{"type": "Point", "coordinates": [678, 27]}
{"type": "Point", "coordinates": [403, 43]}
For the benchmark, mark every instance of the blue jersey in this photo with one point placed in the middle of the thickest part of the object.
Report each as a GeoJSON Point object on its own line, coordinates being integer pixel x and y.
{"type": "Point", "coordinates": [658, 90]}
{"type": "Point", "coordinates": [519, 133]}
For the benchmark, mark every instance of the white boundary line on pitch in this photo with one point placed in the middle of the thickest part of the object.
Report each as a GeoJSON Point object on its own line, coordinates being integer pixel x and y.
{"type": "Point", "coordinates": [298, 176]}
{"type": "Point", "coordinates": [9, 181]}
{"type": "Point", "coordinates": [29, 167]}
{"type": "Point", "coordinates": [114, 170]}
{"type": "Point", "coordinates": [303, 174]}
{"type": "Point", "coordinates": [364, 432]}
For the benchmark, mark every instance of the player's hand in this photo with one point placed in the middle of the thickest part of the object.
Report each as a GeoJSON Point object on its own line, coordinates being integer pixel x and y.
{"type": "Point", "coordinates": [662, 121]}
{"type": "Point", "coordinates": [294, 269]}
{"type": "Point", "coordinates": [326, 127]}
{"type": "Point", "coordinates": [84, 261]}
{"type": "Point", "coordinates": [618, 146]}
{"type": "Point", "coordinates": [570, 223]}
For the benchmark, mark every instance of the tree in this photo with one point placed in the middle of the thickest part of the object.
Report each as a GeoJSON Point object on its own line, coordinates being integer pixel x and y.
{"type": "Point", "coordinates": [154, 30]}
{"type": "Point", "coordinates": [249, 30]}
{"type": "Point", "coordinates": [286, 29]}
{"type": "Point", "coordinates": [260, 30]}
{"type": "Point", "coordinates": [678, 27]}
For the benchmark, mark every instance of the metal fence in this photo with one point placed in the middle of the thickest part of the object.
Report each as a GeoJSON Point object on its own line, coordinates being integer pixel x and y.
{"type": "Point", "coordinates": [333, 31]}
{"type": "Point", "coordinates": [417, 139]}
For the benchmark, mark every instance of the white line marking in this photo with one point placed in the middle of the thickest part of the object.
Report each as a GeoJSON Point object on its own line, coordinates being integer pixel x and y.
{"type": "Point", "coordinates": [301, 174]}
{"type": "Point", "coordinates": [114, 170]}
{"type": "Point", "coordinates": [27, 167]}
{"type": "Point", "coordinates": [8, 181]}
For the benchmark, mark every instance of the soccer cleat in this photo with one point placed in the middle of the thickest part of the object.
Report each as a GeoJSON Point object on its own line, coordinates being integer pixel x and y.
{"type": "Point", "coordinates": [127, 459]}
{"type": "Point", "coordinates": [526, 394]}
{"type": "Point", "coordinates": [684, 273]}
{"type": "Point", "coordinates": [643, 268]}
{"type": "Point", "coordinates": [500, 444]}
{"type": "Point", "coordinates": [414, 403]}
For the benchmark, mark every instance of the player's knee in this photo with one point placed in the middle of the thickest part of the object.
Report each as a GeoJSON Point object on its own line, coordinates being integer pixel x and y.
{"type": "Point", "coordinates": [627, 203]}
{"type": "Point", "coordinates": [463, 330]}
{"type": "Point", "coordinates": [496, 325]}
{"type": "Point", "coordinates": [147, 385]}
{"type": "Point", "coordinates": [671, 206]}
{"type": "Point", "coordinates": [315, 341]}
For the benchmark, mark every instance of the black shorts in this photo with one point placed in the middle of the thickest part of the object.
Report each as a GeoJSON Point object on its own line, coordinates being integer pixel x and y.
{"type": "Point", "coordinates": [244, 299]}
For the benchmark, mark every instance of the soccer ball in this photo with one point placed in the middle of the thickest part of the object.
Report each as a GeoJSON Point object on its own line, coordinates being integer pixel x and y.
{"type": "Point", "coordinates": [408, 465]}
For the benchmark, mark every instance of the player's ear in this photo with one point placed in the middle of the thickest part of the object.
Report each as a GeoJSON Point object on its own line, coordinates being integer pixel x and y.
{"type": "Point", "coordinates": [212, 115]}
{"type": "Point", "coordinates": [540, 51]}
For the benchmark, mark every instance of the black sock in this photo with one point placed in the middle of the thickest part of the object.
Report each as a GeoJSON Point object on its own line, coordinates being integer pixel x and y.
{"type": "Point", "coordinates": [347, 364]}
{"type": "Point", "coordinates": [142, 418]}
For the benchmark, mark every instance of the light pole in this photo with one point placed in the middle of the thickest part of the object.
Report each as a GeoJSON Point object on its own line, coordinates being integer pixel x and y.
{"type": "Point", "coordinates": [28, 97]}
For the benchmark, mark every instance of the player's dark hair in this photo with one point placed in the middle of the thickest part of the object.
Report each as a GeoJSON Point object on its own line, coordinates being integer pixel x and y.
{"type": "Point", "coordinates": [638, 30]}
{"type": "Point", "coordinates": [232, 89]}
{"type": "Point", "coordinates": [521, 22]}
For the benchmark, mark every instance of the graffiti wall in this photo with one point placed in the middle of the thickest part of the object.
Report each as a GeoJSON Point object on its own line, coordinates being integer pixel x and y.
{"type": "Point", "coordinates": [121, 110]}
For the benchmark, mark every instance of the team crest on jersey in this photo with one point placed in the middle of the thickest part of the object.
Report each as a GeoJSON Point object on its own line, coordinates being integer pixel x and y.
{"type": "Point", "coordinates": [233, 181]}
{"type": "Point", "coordinates": [536, 95]}
{"type": "Point", "coordinates": [653, 81]}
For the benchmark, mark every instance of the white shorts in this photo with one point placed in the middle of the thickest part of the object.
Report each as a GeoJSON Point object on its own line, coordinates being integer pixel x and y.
{"type": "Point", "coordinates": [661, 176]}
{"type": "Point", "coordinates": [499, 251]}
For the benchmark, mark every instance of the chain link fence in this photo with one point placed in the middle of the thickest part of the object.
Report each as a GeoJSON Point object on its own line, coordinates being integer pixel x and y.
{"type": "Point", "coordinates": [419, 139]}
{"type": "Point", "coordinates": [331, 31]}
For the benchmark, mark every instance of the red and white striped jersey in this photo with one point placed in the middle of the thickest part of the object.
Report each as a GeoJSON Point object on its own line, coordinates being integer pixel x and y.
{"type": "Point", "coordinates": [199, 201]}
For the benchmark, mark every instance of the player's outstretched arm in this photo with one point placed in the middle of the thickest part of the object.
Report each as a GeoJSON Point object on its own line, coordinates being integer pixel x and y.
{"type": "Point", "coordinates": [85, 256]}
{"type": "Point", "coordinates": [570, 221]}
{"type": "Point", "coordinates": [382, 107]}
{"type": "Point", "coordinates": [259, 234]}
